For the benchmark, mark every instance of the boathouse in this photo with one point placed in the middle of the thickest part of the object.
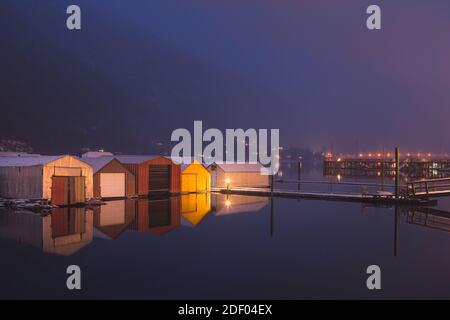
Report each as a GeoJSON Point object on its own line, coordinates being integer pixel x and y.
{"type": "Point", "coordinates": [154, 174]}
{"type": "Point", "coordinates": [237, 175]}
{"type": "Point", "coordinates": [195, 178]}
{"type": "Point", "coordinates": [65, 180]}
{"type": "Point", "coordinates": [111, 178]}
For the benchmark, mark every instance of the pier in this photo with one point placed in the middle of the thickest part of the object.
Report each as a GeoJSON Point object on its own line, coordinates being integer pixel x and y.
{"type": "Point", "coordinates": [374, 198]}
{"type": "Point", "coordinates": [428, 188]}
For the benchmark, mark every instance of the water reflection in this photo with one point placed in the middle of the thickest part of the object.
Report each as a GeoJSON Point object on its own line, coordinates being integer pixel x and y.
{"type": "Point", "coordinates": [157, 216]}
{"type": "Point", "coordinates": [112, 219]}
{"type": "Point", "coordinates": [67, 230]}
{"type": "Point", "coordinates": [64, 232]}
{"type": "Point", "coordinates": [430, 217]}
{"type": "Point", "coordinates": [233, 204]}
{"type": "Point", "coordinates": [194, 207]}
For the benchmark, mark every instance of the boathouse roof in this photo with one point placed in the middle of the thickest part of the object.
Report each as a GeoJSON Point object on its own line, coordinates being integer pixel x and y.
{"type": "Point", "coordinates": [99, 162]}
{"type": "Point", "coordinates": [240, 167]}
{"type": "Point", "coordinates": [131, 159]}
{"type": "Point", "coordinates": [28, 161]}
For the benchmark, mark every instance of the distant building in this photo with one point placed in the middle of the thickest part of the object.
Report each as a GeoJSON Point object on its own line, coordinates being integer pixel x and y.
{"type": "Point", "coordinates": [237, 175]}
{"type": "Point", "coordinates": [62, 179]}
{"type": "Point", "coordinates": [96, 154]}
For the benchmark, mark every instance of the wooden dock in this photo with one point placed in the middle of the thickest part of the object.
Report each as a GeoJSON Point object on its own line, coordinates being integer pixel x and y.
{"type": "Point", "coordinates": [375, 198]}
{"type": "Point", "coordinates": [428, 188]}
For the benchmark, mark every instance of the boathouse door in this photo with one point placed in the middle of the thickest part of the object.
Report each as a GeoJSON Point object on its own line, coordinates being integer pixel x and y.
{"type": "Point", "coordinates": [68, 190]}
{"type": "Point", "coordinates": [159, 178]}
{"type": "Point", "coordinates": [112, 185]}
{"type": "Point", "coordinates": [189, 182]}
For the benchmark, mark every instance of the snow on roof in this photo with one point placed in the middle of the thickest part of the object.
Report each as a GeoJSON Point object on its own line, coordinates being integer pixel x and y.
{"type": "Point", "coordinates": [96, 154]}
{"type": "Point", "coordinates": [27, 161]}
{"type": "Point", "coordinates": [17, 154]}
{"type": "Point", "coordinates": [127, 159]}
{"type": "Point", "coordinates": [98, 162]}
{"type": "Point", "coordinates": [240, 167]}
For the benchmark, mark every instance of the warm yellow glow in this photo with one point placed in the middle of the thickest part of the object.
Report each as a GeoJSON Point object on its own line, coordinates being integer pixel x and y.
{"type": "Point", "coordinates": [378, 173]}
{"type": "Point", "coordinates": [228, 203]}
{"type": "Point", "coordinates": [339, 159]}
{"type": "Point", "coordinates": [227, 180]}
{"type": "Point", "coordinates": [379, 155]}
{"type": "Point", "coordinates": [339, 177]}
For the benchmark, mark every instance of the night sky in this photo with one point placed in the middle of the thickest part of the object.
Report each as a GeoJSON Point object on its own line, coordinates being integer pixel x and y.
{"type": "Point", "coordinates": [141, 68]}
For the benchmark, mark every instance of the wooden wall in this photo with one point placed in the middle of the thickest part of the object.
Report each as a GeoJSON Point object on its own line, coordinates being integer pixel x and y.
{"type": "Point", "coordinates": [141, 173]}
{"type": "Point", "coordinates": [239, 179]}
{"type": "Point", "coordinates": [21, 182]}
{"type": "Point", "coordinates": [67, 166]}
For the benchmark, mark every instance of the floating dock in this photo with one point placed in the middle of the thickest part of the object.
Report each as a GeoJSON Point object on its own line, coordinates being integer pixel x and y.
{"type": "Point", "coordinates": [375, 198]}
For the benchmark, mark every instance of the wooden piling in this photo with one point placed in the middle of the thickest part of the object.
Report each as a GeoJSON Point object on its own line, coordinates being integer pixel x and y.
{"type": "Point", "coordinates": [397, 172]}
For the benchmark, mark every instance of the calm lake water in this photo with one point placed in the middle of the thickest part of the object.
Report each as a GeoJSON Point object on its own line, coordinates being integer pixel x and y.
{"type": "Point", "coordinates": [218, 247]}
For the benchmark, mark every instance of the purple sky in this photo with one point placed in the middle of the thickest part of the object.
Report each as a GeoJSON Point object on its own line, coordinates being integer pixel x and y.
{"type": "Point", "coordinates": [140, 69]}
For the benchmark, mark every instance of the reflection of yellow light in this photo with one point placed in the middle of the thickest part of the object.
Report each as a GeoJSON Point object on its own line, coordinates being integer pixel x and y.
{"type": "Point", "coordinates": [228, 203]}
{"type": "Point", "coordinates": [339, 177]}
{"type": "Point", "coordinates": [227, 181]}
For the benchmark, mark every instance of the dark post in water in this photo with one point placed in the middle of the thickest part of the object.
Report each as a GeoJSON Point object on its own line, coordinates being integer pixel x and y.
{"type": "Point", "coordinates": [397, 172]}
{"type": "Point", "coordinates": [299, 175]}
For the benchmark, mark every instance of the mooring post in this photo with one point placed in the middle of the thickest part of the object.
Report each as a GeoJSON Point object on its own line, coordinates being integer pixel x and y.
{"type": "Point", "coordinates": [397, 172]}
{"type": "Point", "coordinates": [299, 175]}
{"type": "Point", "coordinates": [271, 183]}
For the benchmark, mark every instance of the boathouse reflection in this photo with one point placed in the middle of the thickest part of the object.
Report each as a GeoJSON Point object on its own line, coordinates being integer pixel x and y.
{"type": "Point", "coordinates": [113, 218]}
{"type": "Point", "coordinates": [157, 216]}
{"type": "Point", "coordinates": [223, 204]}
{"type": "Point", "coordinates": [64, 232]}
{"type": "Point", "coordinates": [194, 207]}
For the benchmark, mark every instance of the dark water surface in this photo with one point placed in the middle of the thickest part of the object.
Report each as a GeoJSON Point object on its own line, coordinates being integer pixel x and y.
{"type": "Point", "coordinates": [217, 247]}
{"type": "Point", "coordinates": [211, 246]}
